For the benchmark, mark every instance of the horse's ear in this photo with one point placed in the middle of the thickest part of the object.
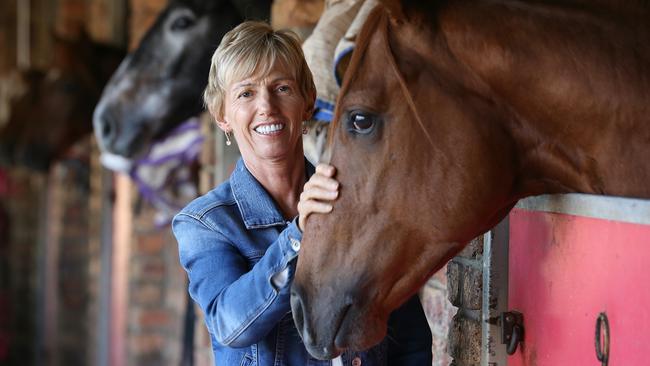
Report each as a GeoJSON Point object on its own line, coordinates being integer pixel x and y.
{"type": "Point", "coordinates": [394, 8]}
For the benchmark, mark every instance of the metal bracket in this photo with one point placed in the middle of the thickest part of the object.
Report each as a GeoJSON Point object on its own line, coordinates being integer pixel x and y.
{"type": "Point", "coordinates": [512, 330]}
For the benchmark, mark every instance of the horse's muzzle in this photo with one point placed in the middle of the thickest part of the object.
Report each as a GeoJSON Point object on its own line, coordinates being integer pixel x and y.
{"type": "Point", "coordinates": [317, 348]}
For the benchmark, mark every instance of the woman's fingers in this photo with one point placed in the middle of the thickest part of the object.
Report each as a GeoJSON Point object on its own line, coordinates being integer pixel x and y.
{"type": "Point", "coordinates": [325, 169]}
{"type": "Point", "coordinates": [308, 207]}
{"type": "Point", "coordinates": [318, 191]}
{"type": "Point", "coordinates": [321, 181]}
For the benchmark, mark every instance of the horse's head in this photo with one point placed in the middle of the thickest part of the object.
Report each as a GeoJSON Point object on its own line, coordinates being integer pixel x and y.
{"type": "Point", "coordinates": [159, 85]}
{"type": "Point", "coordinates": [56, 110]}
{"type": "Point", "coordinates": [418, 181]}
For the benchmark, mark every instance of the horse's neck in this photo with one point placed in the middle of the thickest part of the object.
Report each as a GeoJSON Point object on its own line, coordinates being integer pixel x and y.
{"type": "Point", "coordinates": [575, 156]}
{"type": "Point", "coordinates": [574, 87]}
{"type": "Point", "coordinates": [579, 110]}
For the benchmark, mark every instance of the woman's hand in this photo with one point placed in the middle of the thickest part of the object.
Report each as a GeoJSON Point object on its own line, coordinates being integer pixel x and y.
{"type": "Point", "coordinates": [318, 193]}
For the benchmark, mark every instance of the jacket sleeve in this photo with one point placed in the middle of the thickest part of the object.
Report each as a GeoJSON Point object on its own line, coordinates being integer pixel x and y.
{"type": "Point", "coordinates": [241, 303]}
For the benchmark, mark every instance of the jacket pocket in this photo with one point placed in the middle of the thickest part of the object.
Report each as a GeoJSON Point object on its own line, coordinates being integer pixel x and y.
{"type": "Point", "coordinates": [247, 360]}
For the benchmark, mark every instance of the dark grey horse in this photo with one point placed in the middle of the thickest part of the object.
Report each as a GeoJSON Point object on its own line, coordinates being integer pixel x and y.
{"type": "Point", "coordinates": [159, 85]}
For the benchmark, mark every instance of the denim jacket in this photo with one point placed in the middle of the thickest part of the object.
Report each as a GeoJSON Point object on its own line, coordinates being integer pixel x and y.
{"type": "Point", "coordinates": [240, 256]}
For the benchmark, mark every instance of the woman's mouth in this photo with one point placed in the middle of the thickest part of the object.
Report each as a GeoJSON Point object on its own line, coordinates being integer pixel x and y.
{"type": "Point", "coordinates": [269, 129]}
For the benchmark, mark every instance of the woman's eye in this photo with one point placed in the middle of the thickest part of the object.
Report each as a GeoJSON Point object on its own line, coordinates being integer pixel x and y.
{"type": "Point", "coordinates": [245, 94]}
{"type": "Point", "coordinates": [284, 89]}
{"type": "Point", "coordinates": [360, 122]}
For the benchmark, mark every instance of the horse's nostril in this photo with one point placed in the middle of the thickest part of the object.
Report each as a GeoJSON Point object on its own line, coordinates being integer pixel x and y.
{"type": "Point", "coordinates": [297, 310]}
{"type": "Point", "coordinates": [105, 125]}
{"type": "Point", "coordinates": [107, 128]}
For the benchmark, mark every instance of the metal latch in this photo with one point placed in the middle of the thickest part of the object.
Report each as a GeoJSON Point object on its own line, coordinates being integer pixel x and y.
{"type": "Point", "coordinates": [512, 330]}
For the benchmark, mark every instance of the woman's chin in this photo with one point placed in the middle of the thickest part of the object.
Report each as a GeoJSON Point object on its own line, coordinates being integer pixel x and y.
{"type": "Point", "coordinates": [278, 149]}
{"type": "Point", "coordinates": [274, 153]}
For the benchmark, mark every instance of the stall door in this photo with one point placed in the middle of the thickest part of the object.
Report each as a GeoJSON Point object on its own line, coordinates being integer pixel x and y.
{"type": "Point", "coordinates": [564, 271]}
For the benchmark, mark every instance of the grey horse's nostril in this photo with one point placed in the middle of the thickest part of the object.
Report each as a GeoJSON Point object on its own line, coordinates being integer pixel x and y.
{"type": "Point", "coordinates": [105, 125]}
{"type": "Point", "coordinates": [107, 128]}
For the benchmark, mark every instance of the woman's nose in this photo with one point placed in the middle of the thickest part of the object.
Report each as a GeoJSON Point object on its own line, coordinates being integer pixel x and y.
{"type": "Point", "coordinates": [266, 103]}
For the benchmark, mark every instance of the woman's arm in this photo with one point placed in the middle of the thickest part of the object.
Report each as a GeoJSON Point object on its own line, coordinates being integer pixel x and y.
{"type": "Point", "coordinates": [241, 304]}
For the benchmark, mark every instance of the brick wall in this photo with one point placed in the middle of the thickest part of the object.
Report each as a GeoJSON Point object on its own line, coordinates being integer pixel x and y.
{"type": "Point", "coordinates": [156, 294]}
{"type": "Point", "coordinates": [465, 285]}
{"type": "Point", "coordinates": [24, 204]}
{"type": "Point", "coordinates": [47, 255]}
{"type": "Point", "coordinates": [68, 245]}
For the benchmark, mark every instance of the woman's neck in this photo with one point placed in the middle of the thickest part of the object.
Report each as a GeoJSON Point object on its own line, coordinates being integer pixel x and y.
{"type": "Point", "coordinates": [283, 180]}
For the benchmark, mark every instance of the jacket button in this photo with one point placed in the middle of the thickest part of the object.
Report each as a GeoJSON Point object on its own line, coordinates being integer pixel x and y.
{"type": "Point", "coordinates": [295, 244]}
{"type": "Point", "coordinates": [356, 361]}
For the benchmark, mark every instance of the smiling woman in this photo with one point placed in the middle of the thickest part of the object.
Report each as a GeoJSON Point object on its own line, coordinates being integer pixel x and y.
{"type": "Point", "coordinates": [265, 113]}
{"type": "Point", "coordinates": [240, 242]}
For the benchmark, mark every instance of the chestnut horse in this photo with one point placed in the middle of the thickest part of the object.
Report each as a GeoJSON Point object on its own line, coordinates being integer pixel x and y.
{"type": "Point", "coordinates": [450, 112]}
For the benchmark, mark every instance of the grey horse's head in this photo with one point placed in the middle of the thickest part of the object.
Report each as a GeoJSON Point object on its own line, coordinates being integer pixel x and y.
{"type": "Point", "coordinates": [159, 84]}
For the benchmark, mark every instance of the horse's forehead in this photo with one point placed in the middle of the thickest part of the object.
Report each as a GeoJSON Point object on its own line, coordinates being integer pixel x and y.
{"type": "Point", "coordinates": [373, 69]}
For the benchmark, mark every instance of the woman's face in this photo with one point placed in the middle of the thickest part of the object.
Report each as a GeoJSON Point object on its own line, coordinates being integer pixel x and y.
{"type": "Point", "coordinates": [265, 113]}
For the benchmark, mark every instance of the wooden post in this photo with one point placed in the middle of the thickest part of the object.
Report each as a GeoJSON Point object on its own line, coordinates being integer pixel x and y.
{"type": "Point", "coordinates": [120, 274]}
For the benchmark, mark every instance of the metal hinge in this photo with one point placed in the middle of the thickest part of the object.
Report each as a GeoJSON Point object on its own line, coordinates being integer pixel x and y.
{"type": "Point", "coordinates": [512, 330]}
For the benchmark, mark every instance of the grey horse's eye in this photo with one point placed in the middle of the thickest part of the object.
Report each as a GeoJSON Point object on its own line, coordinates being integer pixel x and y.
{"type": "Point", "coordinates": [360, 122]}
{"type": "Point", "coordinates": [182, 22]}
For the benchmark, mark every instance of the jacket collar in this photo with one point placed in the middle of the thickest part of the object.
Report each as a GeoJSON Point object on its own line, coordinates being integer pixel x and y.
{"type": "Point", "coordinates": [256, 206]}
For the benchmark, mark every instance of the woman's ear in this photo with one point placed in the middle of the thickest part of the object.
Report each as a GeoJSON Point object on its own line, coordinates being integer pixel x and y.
{"type": "Point", "coordinates": [223, 125]}
{"type": "Point", "coordinates": [220, 121]}
{"type": "Point", "coordinates": [310, 105]}
{"type": "Point", "coordinates": [309, 112]}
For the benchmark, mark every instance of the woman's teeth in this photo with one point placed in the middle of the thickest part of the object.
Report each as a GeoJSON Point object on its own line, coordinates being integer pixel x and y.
{"type": "Point", "coordinates": [269, 129]}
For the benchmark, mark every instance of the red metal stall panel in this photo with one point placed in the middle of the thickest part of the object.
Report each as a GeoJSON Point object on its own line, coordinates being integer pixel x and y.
{"type": "Point", "coordinates": [563, 271]}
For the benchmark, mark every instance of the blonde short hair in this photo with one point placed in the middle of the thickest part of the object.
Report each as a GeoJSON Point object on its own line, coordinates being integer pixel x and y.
{"type": "Point", "coordinates": [252, 48]}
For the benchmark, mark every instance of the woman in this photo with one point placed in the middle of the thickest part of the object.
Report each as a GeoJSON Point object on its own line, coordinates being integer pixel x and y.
{"type": "Point", "coordinates": [239, 243]}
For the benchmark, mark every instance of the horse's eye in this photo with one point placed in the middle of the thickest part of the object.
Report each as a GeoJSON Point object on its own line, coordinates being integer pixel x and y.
{"type": "Point", "coordinates": [361, 123]}
{"type": "Point", "coordinates": [182, 22]}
